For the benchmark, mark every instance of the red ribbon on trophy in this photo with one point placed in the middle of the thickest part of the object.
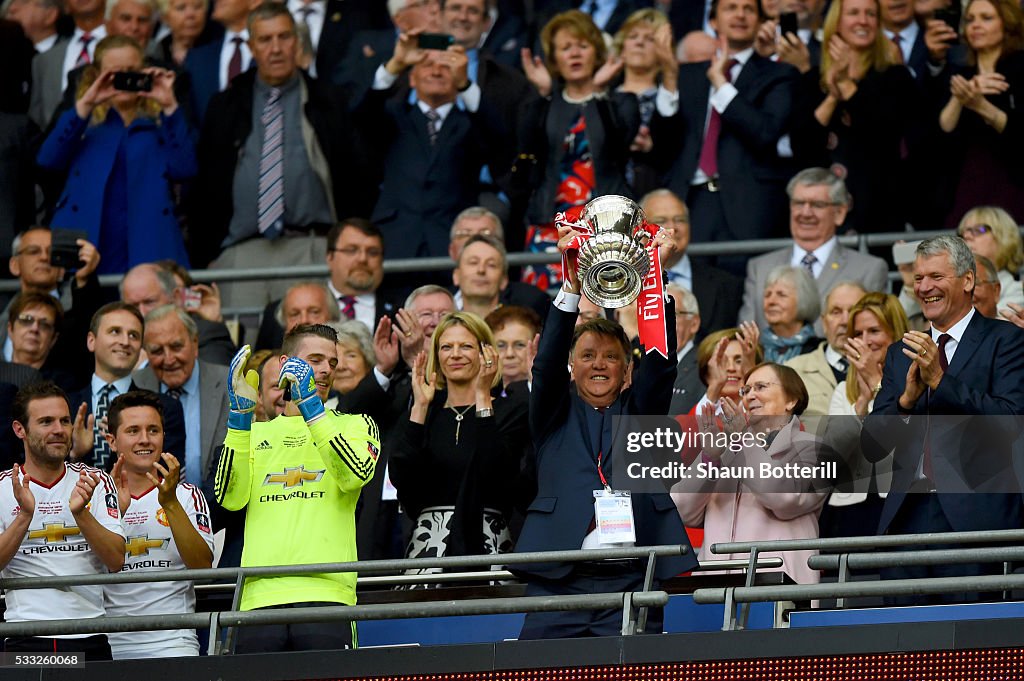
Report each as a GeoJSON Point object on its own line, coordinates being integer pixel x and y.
{"type": "Point", "coordinates": [650, 304]}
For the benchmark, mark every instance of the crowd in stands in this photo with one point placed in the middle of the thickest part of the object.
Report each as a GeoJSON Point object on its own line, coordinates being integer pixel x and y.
{"type": "Point", "coordinates": [148, 139]}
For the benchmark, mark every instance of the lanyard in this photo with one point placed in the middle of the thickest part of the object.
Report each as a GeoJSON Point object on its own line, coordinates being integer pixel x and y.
{"type": "Point", "coordinates": [600, 473]}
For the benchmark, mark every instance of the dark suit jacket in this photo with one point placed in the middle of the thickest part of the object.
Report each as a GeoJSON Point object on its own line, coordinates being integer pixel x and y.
{"type": "Point", "coordinates": [968, 423]}
{"type": "Point", "coordinates": [343, 19]}
{"type": "Point", "coordinates": [424, 186]}
{"type": "Point", "coordinates": [505, 39]}
{"type": "Point", "coordinates": [174, 424]}
{"type": "Point", "coordinates": [215, 344]}
{"type": "Point", "coordinates": [271, 334]}
{"type": "Point", "coordinates": [526, 295]}
{"type": "Point", "coordinates": [718, 294]}
{"type": "Point", "coordinates": [17, 177]}
{"type": "Point", "coordinates": [688, 388]}
{"type": "Point", "coordinates": [366, 51]}
{"type": "Point", "coordinates": [559, 516]}
{"type": "Point", "coordinates": [622, 10]}
{"type": "Point", "coordinates": [752, 177]}
{"type": "Point", "coordinates": [202, 63]}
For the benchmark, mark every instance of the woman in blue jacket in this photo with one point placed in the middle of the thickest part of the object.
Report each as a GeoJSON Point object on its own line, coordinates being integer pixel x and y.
{"type": "Point", "coordinates": [123, 151]}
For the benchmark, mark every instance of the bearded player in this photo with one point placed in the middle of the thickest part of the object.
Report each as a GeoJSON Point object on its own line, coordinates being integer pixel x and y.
{"type": "Point", "coordinates": [298, 476]}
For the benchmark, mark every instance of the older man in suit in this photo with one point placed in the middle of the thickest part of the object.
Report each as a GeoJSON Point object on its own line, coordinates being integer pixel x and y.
{"type": "Point", "coordinates": [718, 142]}
{"type": "Point", "coordinates": [949, 406]}
{"type": "Point", "coordinates": [571, 422]}
{"type": "Point", "coordinates": [172, 345]}
{"type": "Point", "coordinates": [822, 369]}
{"type": "Point", "coordinates": [818, 203]}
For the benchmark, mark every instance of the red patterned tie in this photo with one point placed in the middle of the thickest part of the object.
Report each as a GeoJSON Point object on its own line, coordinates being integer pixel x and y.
{"type": "Point", "coordinates": [83, 56]}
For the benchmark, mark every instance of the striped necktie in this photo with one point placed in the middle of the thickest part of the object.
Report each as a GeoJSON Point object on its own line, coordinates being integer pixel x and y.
{"type": "Point", "coordinates": [270, 202]}
{"type": "Point", "coordinates": [83, 56]}
{"type": "Point", "coordinates": [101, 454]}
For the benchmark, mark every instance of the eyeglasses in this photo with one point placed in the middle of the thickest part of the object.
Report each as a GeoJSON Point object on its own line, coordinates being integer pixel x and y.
{"type": "Point", "coordinates": [755, 388]}
{"type": "Point", "coordinates": [28, 320]}
{"type": "Point", "coordinates": [465, 233]}
{"type": "Point", "coordinates": [797, 204]}
{"type": "Point", "coordinates": [675, 220]}
{"type": "Point", "coordinates": [34, 251]}
{"type": "Point", "coordinates": [975, 231]}
{"type": "Point", "coordinates": [685, 313]}
{"type": "Point", "coordinates": [353, 251]}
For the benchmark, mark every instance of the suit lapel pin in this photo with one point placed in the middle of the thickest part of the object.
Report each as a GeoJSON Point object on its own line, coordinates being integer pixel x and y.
{"type": "Point", "coordinates": [336, 17]}
{"type": "Point", "coordinates": [835, 266]}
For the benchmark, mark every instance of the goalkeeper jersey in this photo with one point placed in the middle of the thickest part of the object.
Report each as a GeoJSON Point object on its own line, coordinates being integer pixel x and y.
{"type": "Point", "coordinates": [299, 485]}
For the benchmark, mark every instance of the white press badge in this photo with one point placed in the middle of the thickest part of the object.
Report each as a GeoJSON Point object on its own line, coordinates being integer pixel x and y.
{"type": "Point", "coordinates": [613, 516]}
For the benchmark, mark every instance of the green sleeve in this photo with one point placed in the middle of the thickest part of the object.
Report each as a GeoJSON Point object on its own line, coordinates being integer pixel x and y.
{"type": "Point", "coordinates": [234, 471]}
{"type": "Point", "coordinates": [349, 445]}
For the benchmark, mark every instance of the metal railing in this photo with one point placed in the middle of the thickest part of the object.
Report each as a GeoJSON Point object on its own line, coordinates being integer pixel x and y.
{"type": "Point", "coordinates": [860, 242]}
{"type": "Point", "coordinates": [844, 561]}
{"type": "Point", "coordinates": [634, 604]}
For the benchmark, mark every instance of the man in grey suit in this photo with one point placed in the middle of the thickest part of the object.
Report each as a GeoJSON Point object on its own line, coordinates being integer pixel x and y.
{"type": "Point", "coordinates": [171, 342]}
{"type": "Point", "coordinates": [50, 69]}
{"type": "Point", "coordinates": [688, 388]}
{"type": "Point", "coordinates": [818, 204]}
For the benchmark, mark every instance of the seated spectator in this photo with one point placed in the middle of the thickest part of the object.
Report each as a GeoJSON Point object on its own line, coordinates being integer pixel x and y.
{"type": "Point", "coordinates": [477, 220]}
{"type": "Point", "coordinates": [355, 263]}
{"type": "Point", "coordinates": [993, 233]}
{"type": "Point", "coordinates": [574, 141]}
{"type": "Point", "coordinates": [754, 507]}
{"type": "Point", "coordinates": [986, 288]}
{"type": "Point", "coordinates": [516, 332]}
{"type": "Point", "coordinates": [186, 22]}
{"type": "Point", "coordinates": [356, 359]}
{"type": "Point", "coordinates": [790, 310]}
{"type": "Point", "coordinates": [718, 292]}
{"type": "Point", "coordinates": [271, 403]}
{"type": "Point", "coordinates": [115, 341]}
{"type": "Point", "coordinates": [860, 113]}
{"type": "Point", "coordinates": [33, 327]}
{"type": "Point", "coordinates": [687, 389]}
{"type": "Point", "coordinates": [166, 525]}
{"type": "Point", "coordinates": [149, 286]}
{"type": "Point", "coordinates": [171, 342]}
{"type": "Point", "coordinates": [480, 273]}
{"type": "Point", "coordinates": [453, 479]}
{"type": "Point", "coordinates": [695, 46]}
{"type": "Point", "coordinates": [38, 19]}
{"type": "Point", "coordinates": [308, 302]}
{"type": "Point", "coordinates": [981, 144]}
{"type": "Point", "coordinates": [818, 203]}
{"type": "Point", "coordinates": [30, 263]}
{"type": "Point", "coordinates": [643, 49]}
{"type": "Point", "coordinates": [876, 322]}
{"type": "Point", "coordinates": [903, 257]}
{"type": "Point", "coordinates": [121, 151]}
{"type": "Point", "coordinates": [823, 368]}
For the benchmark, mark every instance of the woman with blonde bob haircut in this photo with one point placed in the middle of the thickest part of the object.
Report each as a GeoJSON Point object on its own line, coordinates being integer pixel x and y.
{"type": "Point", "coordinates": [992, 232]}
{"type": "Point", "coordinates": [458, 456]}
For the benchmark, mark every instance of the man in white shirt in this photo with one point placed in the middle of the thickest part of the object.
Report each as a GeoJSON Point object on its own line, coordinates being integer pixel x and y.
{"type": "Point", "coordinates": [56, 519]}
{"type": "Point", "coordinates": [166, 524]}
{"type": "Point", "coordinates": [38, 18]}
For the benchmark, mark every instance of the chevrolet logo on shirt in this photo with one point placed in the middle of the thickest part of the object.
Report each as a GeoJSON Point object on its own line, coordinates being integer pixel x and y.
{"type": "Point", "coordinates": [54, 532]}
{"type": "Point", "coordinates": [293, 477]}
{"type": "Point", "coordinates": [140, 545]}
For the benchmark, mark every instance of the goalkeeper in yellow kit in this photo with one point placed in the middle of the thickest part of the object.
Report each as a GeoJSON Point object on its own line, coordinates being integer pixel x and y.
{"type": "Point", "coordinates": [298, 476]}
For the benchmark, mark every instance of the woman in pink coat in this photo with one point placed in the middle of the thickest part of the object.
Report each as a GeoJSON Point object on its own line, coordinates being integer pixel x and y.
{"type": "Point", "coordinates": [755, 482]}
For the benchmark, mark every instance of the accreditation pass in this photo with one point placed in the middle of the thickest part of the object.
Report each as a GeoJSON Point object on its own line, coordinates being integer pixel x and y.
{"type": "Point", "coordinates": [613, 516]}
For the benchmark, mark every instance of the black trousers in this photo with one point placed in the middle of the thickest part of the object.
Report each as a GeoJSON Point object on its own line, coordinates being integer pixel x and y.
{"type": "Point", "coordinates": [274, 638]}
{"type": "Point", "coordinates": [95, 647]}
{"type": "Point", "coordinates": [585, 579]}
